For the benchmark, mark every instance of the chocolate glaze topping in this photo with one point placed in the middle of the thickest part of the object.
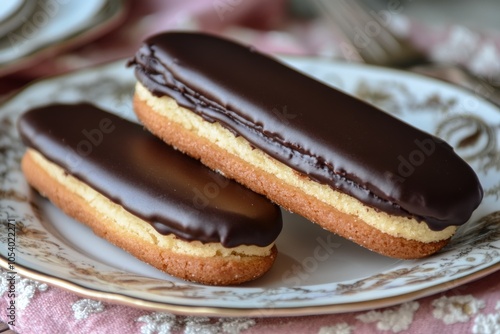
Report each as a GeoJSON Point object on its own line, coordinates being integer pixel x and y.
{"type": "Point", "coordinates": [332, 137]}
{"type": "Point", "coordinates": [150, 179]}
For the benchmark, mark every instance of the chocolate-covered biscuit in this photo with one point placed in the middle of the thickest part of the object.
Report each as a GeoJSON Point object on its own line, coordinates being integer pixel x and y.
{"type": "Point", "coordinates": [315, 150]}
{"type": "Point", "coordinates": [155, 202]}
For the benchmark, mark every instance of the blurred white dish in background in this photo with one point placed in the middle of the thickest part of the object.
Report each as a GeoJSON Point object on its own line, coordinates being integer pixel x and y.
{"type": "Point", "coordinates": [9, 8]}
{"type": "Point", "coordinates": [12, 13]}
{"type": "Point", "coordinates": [52, 26]}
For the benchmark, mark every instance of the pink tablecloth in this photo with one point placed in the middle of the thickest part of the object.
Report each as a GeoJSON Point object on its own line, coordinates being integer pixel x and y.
{"type": "Point", "coordinates": [471, 308]}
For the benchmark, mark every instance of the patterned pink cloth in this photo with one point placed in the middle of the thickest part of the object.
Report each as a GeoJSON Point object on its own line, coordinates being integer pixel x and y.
{"type": "Point", "coordinates": [472, 308]}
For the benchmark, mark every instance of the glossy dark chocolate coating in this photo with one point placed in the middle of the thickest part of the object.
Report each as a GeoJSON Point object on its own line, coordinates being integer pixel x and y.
{"type": "Point", "coordinates": [332, 137]}
{"type": "Point", "coordinates": [150, 179]}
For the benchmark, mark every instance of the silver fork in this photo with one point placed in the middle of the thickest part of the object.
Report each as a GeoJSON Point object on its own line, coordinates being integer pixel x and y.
{"type": "Point", "coordinates": [368, 34]}
{"type": "Point", "coordinates": [370, 39]}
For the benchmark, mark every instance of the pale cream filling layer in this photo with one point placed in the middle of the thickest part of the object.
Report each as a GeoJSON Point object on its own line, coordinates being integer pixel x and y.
{"type": "Point", "coordinates": [393, 225]}
{"type": "Point", "coordinates": [131, 223]}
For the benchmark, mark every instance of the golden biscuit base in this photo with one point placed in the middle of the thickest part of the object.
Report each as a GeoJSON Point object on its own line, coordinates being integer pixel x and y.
{"type": "Point", "coordinates": [210, 264]}
{"type": "Point", "coordinates": [219, 149]}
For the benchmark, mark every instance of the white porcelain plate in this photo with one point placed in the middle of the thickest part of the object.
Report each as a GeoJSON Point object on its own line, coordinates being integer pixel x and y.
{"type": "Point", "coordinates": [44, 27]}
{"type": "Point", "coordinates": [12, 14]}
{"type": "Point", "coordinates": [9, 8]}
{"type": "Point", "coordinates": [315, 272]}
